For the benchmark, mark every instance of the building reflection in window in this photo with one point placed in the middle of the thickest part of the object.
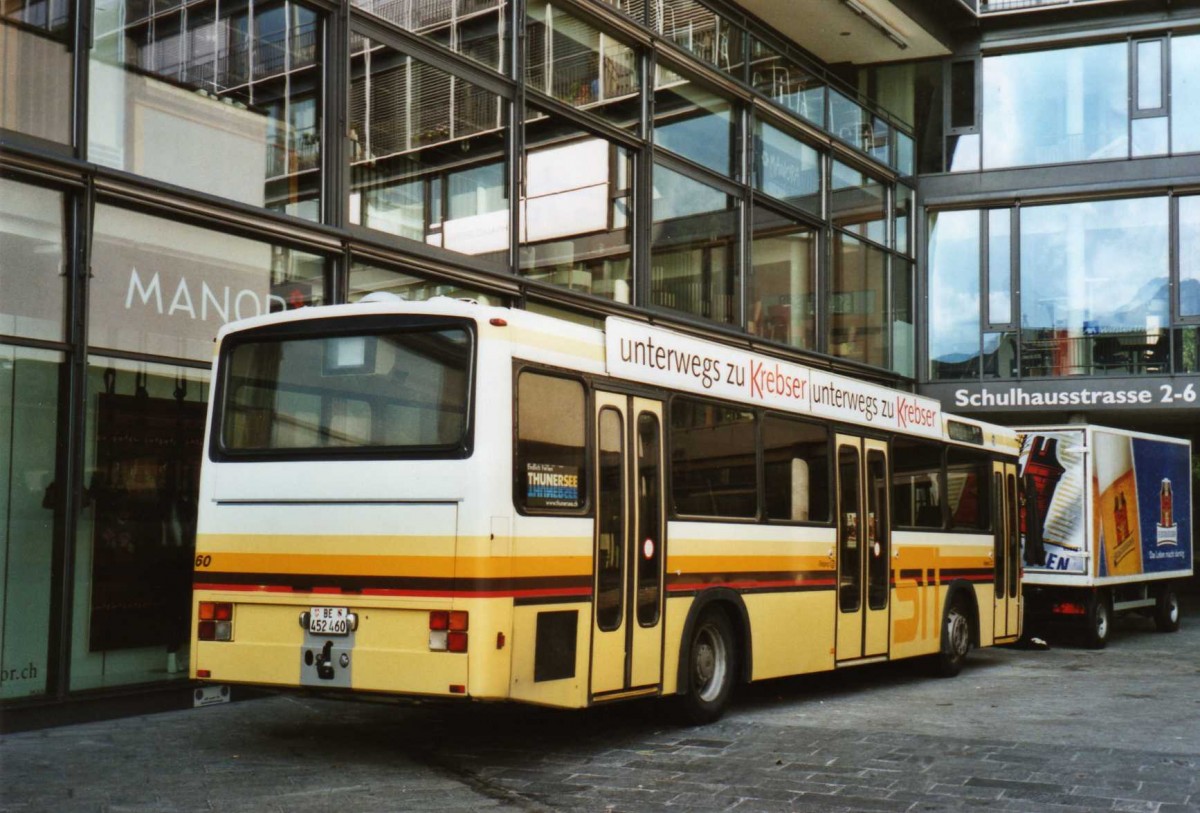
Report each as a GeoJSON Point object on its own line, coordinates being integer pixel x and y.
{"type": "Point", "coordinates": [1094, 295]}
{"type": "Point", "coordinates": [903, 319]}
{"type": "Point", "coordinates": [1078, 97]}
{"type": "Point", "coordinates": [428, 154]}
{"type": "Point", "coordinates": [857, 202]}
{"type": "Point", "coordinates": [1189, 257]}
{"type": "Point", "coordinates": [368, 279]}
{"type": "Point", "coordinates": [582, 66]}
{"type": "Point", "coordinates": [782, 288]}
{"type": "Point", "coordinates": [857, 126]}
{"type": "Point", "coordinates": [902, 212]}
{"type": "Point", "coordinates": [693, 247]}
{"type": "Point", "coordinates": [786, 168]}
{"type": "Point", "coordinates": [576, 220]}
{"type": "Point", "coordinates": [477, 29]}
{"type": "Point", "coordinates": [30, 492]}
{"type": "Point", "coordinates": [1083, 311]}
{"type": "Point", "coordinates": [693, 122]}
{"type": "Point", "coordinates": [32, 283]}
{"type": "Point", "coordinates": [858, 327]}
{"type": "Point", "coordinates": [176, 90]}
{"type": "Point", "coordinates": [164, 288]}
{"type": "Point", "coordinates": [36, 80]}
{"type": "Point", "coordinates": [136, 534]}
{"type": "Point", "coordinates": [702, 32]}
{"type": "Point", "coordinates": [953, 321]}
{"type": "Point", "coordinates": [787, 83]}
{"type": "Point", "coordinates": [1184, 102]}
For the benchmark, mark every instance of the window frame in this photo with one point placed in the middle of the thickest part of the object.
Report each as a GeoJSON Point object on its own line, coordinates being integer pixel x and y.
{"type": "Point", "coordinates": [830, 488]}
{"type": "Point", "coordinates": [377, 325]}
{"type": "Point", "coordinates": [585, 507]}
{"type": "Point", "coordinates": [943, 512]}
{"type": "Point", "coordinates": [1164, 79]}
{"type": "Point", "coordinates": [985, 266]}
{"type": "Point", "coordinates": [673, 512]}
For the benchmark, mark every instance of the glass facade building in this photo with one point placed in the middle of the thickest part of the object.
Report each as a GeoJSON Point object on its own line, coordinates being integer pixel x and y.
{"type": "Point", "coordinates": [941, 206]}
{"type": "Point", "coordinates": [200, 162]}
{"type": "Point", "coordinates": [1060, 188]}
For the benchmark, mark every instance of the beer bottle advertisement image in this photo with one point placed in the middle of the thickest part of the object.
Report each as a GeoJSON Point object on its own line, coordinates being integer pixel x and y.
{"type": "Point", "coordinates": [1117, 485]}
{"type": "Point", "coordinates": [1052, 464]}
{"type": "Point", "coordinates": [1163, 473]}
{"type": "Point", "coordinates": [1166, 532]}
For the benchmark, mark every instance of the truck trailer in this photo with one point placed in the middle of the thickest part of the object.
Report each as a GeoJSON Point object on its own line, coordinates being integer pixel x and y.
{"type": "Point", "coordinates": [1106, 526]}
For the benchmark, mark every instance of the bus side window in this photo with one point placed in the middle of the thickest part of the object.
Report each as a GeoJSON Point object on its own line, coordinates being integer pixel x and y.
{"type": "Point", "coordinates": [967, 489]}
{"type": "Point", "coordinates": [916, 483]}
{"type": "Point", "coordinates": [714, 471]}
{"type": "Point", "coordinates": [551, 474]}
{"type": "Point", "coordinates": [796, 470]}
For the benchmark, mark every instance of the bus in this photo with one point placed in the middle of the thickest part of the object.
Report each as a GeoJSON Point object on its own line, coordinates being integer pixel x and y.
{"type": "Point", "coordinates": [442, 499]}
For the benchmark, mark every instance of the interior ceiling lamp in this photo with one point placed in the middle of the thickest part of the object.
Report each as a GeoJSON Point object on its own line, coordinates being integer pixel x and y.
{"type": "Point", "coordinates": [875, 20]}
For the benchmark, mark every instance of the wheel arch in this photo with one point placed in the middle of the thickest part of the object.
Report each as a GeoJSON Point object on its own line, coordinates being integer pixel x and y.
{"type": "Point", "coordinates": [963, 590]}
{"type": "Point", "coordinates": [730, 601]}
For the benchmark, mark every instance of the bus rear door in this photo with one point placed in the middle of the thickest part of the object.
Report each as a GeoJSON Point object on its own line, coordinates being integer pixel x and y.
{"type": "Point", "coordinates": [629, 535]}
{"type": "Point", "coordinates": [863, 548]}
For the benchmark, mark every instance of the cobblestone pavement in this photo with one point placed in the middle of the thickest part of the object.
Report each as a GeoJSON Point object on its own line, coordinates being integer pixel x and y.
{"type": "Point", "coordinates": [1066, 729]}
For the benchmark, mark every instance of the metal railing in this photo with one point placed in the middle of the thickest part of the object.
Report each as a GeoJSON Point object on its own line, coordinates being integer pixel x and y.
{"type": "Point", "coordinates": [996, 6]}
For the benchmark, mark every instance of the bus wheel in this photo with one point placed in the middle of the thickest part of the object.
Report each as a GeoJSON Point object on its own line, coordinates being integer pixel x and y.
{"type": "Point", "coordinates": [1098, 619]}
{"type": "Point", "coordinates": [710, 668]}
{"type": "Point", "coordinates": [956, 639]}
{"type": "Point", "coordinates": [1166, 610]}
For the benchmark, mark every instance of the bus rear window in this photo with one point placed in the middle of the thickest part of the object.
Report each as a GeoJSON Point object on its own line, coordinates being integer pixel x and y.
{"type": "Point", "coordinates": [388, 392]}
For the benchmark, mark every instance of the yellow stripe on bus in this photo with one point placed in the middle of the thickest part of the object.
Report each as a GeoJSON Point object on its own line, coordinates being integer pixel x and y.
{"type": "Point", "coordinates": [556, 343]}
{"type": "Point", "coordinates": [747, 564]}
{"type": "Point", "coordinates": [412, 566]}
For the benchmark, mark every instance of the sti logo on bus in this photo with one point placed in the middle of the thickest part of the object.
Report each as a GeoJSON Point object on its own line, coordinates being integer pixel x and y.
{"type": "Point", "coordinates": [652, 355]}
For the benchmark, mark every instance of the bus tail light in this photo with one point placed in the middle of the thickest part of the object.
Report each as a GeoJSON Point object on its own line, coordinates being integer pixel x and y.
{"type": "Point", "coordinates": [216, 621]}
{"type": "Point", "coordinates": [448, 630]}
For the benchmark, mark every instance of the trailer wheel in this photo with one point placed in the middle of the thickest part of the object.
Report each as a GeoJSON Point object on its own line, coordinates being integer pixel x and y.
{"type": "Point", "coordinates": [1166, 610]}
{"type": "Point", "coordinates": [711, 664]}
{"type": "Point", "coordinates": [956, 639]}
{"type": "Point", "coordinates": [1098, 620]}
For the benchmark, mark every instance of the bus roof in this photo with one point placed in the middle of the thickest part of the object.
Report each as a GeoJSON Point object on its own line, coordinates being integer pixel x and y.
{"type": "Point", "coordinates": [638, 351]}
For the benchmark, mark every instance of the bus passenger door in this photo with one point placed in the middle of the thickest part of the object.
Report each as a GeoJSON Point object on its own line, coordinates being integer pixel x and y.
{"type": "Point", "coordinates": [629, 534]}
{"type": "Point", "coordinates": [863, 548]}
{"type": "Point", "coordinates": [1006, 552]}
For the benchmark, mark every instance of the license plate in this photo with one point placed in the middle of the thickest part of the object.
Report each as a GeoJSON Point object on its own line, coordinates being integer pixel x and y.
{"type": "Point", "coordinates": [329, 621]}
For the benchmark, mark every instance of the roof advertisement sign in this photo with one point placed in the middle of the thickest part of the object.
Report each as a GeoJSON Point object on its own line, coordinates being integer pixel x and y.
{"type": "Point", "coordinates": [642, 352]}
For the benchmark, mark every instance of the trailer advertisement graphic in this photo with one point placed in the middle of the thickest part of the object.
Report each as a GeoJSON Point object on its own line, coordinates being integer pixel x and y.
{"type": "Point", "coordinates": [1164, 501]}
{"type": "Point", "coordinates": [1052, 463]}
{"type": "Point", "coordinates": [1109, 503]}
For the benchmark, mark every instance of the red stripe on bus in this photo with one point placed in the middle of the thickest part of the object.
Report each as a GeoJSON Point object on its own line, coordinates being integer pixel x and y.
{"type": "Point", "coordinates": [533, 593]}
{"type": "Point", "coordinates": [247, 588]}
{"type": "Point", "coordinates": [748, 584]}
{"type": "Point", "coordinates": [548, 592]}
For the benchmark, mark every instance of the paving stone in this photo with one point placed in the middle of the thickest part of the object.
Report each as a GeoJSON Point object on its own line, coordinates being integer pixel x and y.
{"type": "Point", "coordinates": [877, 738]}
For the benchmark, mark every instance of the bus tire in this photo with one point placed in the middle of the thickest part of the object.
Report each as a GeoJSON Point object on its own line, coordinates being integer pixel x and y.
{"type": "Point", "coordinates": [956, 639]}
{"type": "Point", "coordinates": [1097, 620]}
{"type": "Point", "coordinates": [1166, 610]}
{"type": "Point", "coordinates": [711, 668]}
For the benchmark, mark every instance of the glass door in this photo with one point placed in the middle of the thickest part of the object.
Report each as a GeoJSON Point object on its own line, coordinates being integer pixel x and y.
{"type": "Point", "coordinates": [863, 548]}
{"type": "Point", "coordinates": [1006, 553]}
{"type": "Point", "coordinates": [629, 535]}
